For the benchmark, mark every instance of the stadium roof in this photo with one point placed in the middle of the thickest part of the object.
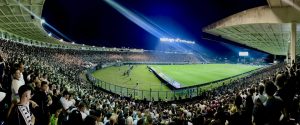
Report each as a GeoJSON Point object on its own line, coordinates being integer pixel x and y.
{"type": "Point", "coordinates": [281, 3]}
{"type": "Point", "coordinates": [22, 18]}
{"type": "Point", "coordinates": [266, 28]}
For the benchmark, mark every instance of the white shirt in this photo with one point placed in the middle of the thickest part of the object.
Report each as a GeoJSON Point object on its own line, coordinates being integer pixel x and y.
{"type": "Point", "coordinates": [22, 79]}
{"type": "Point", "coordinates": [65, 103]}
{"type": "Point", "coordinates": [243, 96]}
{"type": "Point", "coordinates": [202, 107]}
{"type": "Point", "coordinates": [72, 101]}
{"type": "Point", "coordinates": [112, 105]}
{"type": "Point", "coordinates": [15, 85]}
{"type": "Point", "coordinates": [135, 121]}
{"type": "Point", "coordinates": [28, 77]}
{"type": "Point", "coordinates": [262, 98]}
{"type": "Point", "coordinates": [2, 96]}
{"type": "Point", "coordinates": [129, 120]}
{"type": "Point", "coordinates": [100, 123]}
{"type": "Point", "coordinates": [83, 115]}
{"type": "Point", "coordinates": [105, 120]}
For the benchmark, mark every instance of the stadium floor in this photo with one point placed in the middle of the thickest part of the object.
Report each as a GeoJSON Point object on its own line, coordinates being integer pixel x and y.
{"type": "Point", "coordinates": [190, 75]}
{"type": "Point", "coordinates": [140, 74]}
{"type": "Point", "coordinates": [187, 75]}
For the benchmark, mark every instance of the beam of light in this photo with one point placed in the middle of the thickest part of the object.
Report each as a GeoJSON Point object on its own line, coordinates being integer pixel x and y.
{"type": "Point", "coordinates": [166, 33]}
{"type": "Point", "coordinates": [136, 19]}
{"type": "Point", "coordinates": [61, 34]}
{"type": "Point", "coordinates": [157, 31]}
{"type": "Point", "coordinates": [43, 21]}
{"type": "Point", "coordinates": [291, 3]}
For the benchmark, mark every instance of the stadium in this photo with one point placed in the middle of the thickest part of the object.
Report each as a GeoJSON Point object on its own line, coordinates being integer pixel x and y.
{"type": "Point", "coordinates": [167, 62]}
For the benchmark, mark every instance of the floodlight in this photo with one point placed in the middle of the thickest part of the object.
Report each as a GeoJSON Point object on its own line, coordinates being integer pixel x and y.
{"type": "Point", "coordinates": [243, 54]}
{"type": "Point", "coordinates": [178, 40]}
{"type": "Point", "coordinates": [43, 21]}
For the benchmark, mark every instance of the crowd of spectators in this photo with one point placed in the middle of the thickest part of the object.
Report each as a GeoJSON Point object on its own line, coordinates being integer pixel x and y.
{"type": "Point", "coordinates": [43, 87]}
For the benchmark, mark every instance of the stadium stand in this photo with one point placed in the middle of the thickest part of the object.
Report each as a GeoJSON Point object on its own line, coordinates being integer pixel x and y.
{"type": "Point", "coordinates": [43, 86]}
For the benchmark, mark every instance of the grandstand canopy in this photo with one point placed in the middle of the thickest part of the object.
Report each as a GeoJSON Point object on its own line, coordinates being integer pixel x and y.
{"type": "Point", "coordinates": [281, 3]}
{"type": "Point", "coordinates": [22, 18]}
{"type": "Point", "coordinates": [266, 28]}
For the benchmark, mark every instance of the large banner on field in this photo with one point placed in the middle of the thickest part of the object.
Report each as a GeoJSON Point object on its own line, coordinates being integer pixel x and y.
{"type": "Point", "coordinates": [166, 78]}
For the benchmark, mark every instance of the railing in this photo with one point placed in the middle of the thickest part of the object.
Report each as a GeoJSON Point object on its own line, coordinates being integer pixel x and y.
{"type": "Point", "coordinates": [151, 95]}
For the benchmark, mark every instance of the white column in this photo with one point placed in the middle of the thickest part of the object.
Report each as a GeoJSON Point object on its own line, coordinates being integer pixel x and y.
{"type": "Point", "coordinates": [293, 41]}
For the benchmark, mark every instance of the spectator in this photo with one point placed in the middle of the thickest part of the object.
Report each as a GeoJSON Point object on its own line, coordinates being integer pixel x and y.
{"type": "Point", "coordinates": [2, 67]}
{"type": "Point", "coordinates": [99, 116]}
{"type": "Point", "coordinates": [64, 100]}
{"type": "Point", "coordinates": [21, 69]}
{"type": "Point", "coordinates": [261, 95]}
{"type": "Point", "coordinates": [55, 101]}
{"type": "Point", "coordinates": [44, 101]}
{"type": "Point", "coordinates": [76, 115]}
{"type": "Point", "coordinates": [16, 84]}
{"type": "Point", "coordinates": [259, 113]}
{"type": "Point", "coordinates": [90, 120]}
{"type": "Point", "coordinates": [21, 113]}
{"type": "Point", "coordinates": [129, 119]}
{"type": "Point", "coordinates": [273, 105]}
{"type": "Point", "coordinates": [62, 66]}
{"type": "Point", "coordinates": [54, 117]}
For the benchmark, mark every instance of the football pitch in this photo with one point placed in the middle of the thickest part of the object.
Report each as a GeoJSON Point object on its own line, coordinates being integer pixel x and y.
{"type": "Point", "coordinates": [190, 75]}
{"type": "Point", "coordinates": [186, 75]}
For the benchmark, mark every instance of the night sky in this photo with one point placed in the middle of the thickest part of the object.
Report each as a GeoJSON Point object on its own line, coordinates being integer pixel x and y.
{"type": "Point", "coordinates": [94, 22]}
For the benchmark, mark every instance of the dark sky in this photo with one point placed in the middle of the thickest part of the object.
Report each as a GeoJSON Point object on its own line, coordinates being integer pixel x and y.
{"type": "Point", "coordinates": [94, 22]}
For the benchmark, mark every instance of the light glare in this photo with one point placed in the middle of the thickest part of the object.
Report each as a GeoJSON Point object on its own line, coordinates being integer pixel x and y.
{"type": "Point", "coordinates": [42, 21]}
{"type": "Point", "coordinates": [177, 40]}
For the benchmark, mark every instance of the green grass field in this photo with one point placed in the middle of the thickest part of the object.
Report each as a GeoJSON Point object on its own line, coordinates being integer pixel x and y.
{"type": "Point", "coordinates": [140, 74]}
{"type": "Point", "coordinates": [187, 75]}
{"type": "Point", "coordinates": [190, 75]}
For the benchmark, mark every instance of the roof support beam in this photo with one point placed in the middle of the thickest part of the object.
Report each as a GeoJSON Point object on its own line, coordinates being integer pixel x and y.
{"type": "Point", "coordinates": [16, 15]}
{"type": "Point", "coordinates": [15, 4]}
{"type": "Point", "coordinates": [293, 42]}
{"type": "Point", "coordinates": [269, 3]}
